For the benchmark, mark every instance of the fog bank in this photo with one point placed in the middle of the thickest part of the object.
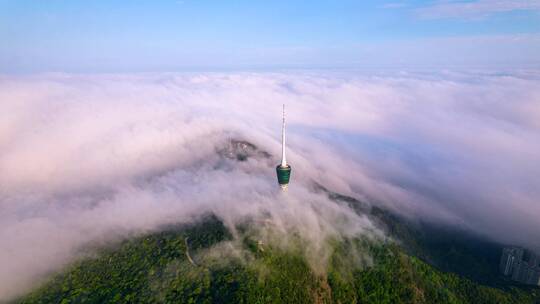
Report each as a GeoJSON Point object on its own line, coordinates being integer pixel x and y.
{"type": "Point", "coordinates": [91, 158]}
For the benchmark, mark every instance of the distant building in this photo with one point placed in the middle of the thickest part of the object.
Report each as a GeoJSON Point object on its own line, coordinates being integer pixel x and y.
{"type": "Point", "coordinates": [520, 265]}
{"type": "Point", "coordinates": [510, 256]}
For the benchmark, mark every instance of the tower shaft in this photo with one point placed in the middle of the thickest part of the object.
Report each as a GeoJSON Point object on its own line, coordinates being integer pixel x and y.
{"type": "Point", "coordinates": [283, 157]}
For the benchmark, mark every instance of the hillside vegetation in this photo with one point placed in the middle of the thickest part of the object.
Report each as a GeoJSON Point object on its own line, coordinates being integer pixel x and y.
{"type": "Point", "coordinates": [156, 269]}
{"type": "Point", "coordinates": [204, 263]}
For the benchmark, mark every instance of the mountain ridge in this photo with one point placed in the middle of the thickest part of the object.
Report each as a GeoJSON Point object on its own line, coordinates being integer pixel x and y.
{"type": "Point", "coordinates": [236, 267]}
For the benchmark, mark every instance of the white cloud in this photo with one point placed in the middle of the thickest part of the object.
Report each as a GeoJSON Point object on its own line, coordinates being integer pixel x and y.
{"type": "Point", "coordinates": [475, 9]}
{"type": "Point", "coordinates": [394, 5]}
{"type": "Point", "coordinates": [89, 158]}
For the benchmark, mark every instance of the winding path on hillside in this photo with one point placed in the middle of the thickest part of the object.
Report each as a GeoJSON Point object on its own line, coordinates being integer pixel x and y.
{"type": "Point", "coordinates": [187, 253]}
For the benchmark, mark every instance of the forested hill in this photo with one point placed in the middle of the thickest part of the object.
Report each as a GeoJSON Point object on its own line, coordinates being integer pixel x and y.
{"type": "Point", "coordinates": [203, 263]}
{"type": "Point", "coordinates": [156, 268]}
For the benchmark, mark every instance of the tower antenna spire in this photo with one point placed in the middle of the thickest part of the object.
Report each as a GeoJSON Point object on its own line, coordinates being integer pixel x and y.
{"type": "Point", "coordinates": [283, 158]}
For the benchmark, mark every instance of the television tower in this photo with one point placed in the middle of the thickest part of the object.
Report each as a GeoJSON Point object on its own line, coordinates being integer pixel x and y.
{"type": "Point", "coordinates": [283, 170]}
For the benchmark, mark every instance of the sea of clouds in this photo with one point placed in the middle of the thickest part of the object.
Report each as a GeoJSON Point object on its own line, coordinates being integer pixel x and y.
{"type": "Point", "coordinates": [88, 159]}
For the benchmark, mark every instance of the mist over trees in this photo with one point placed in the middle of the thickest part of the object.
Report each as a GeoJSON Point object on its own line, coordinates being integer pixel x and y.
{"type": "Point", "coordinates": [89, 159]}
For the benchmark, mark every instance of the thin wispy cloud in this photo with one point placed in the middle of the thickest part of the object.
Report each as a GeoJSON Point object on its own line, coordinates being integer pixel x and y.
{"type": "Point", "coordinates": [393, 5]}
{"type": "Point", "coordinates": [475, 9]}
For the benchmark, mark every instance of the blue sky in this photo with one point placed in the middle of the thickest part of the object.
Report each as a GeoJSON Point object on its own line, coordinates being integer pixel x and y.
{"type": "Point", "coordinates": [144, 35]}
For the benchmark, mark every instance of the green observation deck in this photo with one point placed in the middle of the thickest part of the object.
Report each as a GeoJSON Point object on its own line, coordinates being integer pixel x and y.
{"type": "Point", "coordinates": [283, 174]}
